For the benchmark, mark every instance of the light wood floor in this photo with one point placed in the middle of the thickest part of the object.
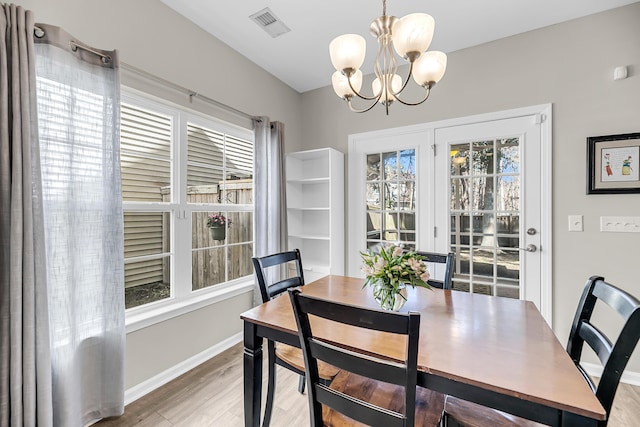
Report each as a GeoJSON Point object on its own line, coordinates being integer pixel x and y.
{"type": "Point", "coordinates": [211, 395]}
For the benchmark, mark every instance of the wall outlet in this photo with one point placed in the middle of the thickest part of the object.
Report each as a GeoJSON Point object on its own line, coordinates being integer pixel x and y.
{"type": "Point", "coordinates": [620, 224]}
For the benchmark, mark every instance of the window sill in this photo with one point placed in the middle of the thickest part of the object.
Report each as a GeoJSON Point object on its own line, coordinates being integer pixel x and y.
{"type": "Point", "coordinates": [139, 318]}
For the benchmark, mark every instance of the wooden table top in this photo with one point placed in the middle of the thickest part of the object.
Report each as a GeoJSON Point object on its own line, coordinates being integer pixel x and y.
{"type": "Point", "coordinates": [494, 343]}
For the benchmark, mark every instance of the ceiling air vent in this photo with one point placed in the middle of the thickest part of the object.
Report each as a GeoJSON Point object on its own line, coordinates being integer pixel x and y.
{"type": "Point", "coordinates": [269, 22]}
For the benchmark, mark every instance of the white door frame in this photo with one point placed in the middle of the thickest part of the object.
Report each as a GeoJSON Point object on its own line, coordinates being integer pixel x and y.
{"type": "Point", "coordinates": [361, 143]}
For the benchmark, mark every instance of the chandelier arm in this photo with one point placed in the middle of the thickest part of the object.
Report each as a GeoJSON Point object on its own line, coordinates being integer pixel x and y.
{"type": "Point", "coordinates": [406, 82]}
{"type": "Point", "coordinates": [359, 95]}
{"type": "Point", "coordinates": [411, 104]}
{"type": "Point", "coordinates": [373, 104]}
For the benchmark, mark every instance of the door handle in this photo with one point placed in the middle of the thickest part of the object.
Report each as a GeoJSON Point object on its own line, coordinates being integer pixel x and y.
{"type": "Point", "coordinates": [529, 248]}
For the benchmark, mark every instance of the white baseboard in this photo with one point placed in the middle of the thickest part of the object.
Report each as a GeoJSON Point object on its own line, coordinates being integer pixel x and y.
{"type": "Point", "coordinates": [628, 377]}
{"type": "Point", "coordinates": [137, 391]}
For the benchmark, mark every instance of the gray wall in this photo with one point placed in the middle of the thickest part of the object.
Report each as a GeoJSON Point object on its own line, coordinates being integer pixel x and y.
{"type": "Point", "coordinates": [569, 65]}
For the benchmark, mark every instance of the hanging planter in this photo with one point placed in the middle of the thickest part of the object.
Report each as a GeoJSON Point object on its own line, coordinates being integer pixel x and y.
{"type": "Point", "coordinates": [218, 232]}
{"type": "Point", "coordinates": [217, 226]}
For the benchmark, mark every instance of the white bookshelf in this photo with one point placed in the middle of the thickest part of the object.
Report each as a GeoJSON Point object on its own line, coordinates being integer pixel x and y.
{"type": "Point", "coordinates": [315, 210]}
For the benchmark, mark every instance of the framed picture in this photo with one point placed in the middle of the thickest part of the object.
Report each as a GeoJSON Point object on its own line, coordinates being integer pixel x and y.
{"type": "Point", "coordinates": [613, 165]}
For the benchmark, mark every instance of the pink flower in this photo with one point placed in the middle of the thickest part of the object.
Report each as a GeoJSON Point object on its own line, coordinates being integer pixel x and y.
{"type": "Point", "coordinates": [379, 265]}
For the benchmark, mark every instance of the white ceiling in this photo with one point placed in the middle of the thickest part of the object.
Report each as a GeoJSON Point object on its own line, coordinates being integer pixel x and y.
{"type": "Point", "coordinates": [300, 58]}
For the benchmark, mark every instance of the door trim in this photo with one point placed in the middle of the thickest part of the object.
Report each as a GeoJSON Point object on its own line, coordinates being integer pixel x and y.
{"type": "Point", "coordinates": [361, 143]}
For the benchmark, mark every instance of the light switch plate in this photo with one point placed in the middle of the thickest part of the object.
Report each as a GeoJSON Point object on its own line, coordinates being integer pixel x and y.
{"type": "Point", "coordinates": [575, 223]}
{"type": "Point", "coordinates": [620, 224]}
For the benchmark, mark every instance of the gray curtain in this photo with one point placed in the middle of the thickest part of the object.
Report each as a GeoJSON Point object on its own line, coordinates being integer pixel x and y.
{"type": "Point", "coordinates": [270, 190]}
{"type": "Point", "coordinates": [25, 374]}
{"type": "Point", "coordinates": [78, 93]}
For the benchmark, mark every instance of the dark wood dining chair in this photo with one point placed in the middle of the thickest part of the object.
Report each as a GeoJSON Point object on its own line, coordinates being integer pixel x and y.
{"type": "Point", "coordinates": [613, 355]}
{"type": "Point", "coordinates": [281, 354]}
{"type": "Point", "coordinates": [367, 390]}
{"type": "Point", "coordinates": [443, 280]}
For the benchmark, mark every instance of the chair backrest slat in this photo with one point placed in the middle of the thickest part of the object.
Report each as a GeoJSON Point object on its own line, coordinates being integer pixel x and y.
{"type": "Point", "coordinates": [357, 363]}
{"type": "Point", "coordinates": [597, 340]}
{"type": "Point", "coordinates": [383, 321]}
{"type": "Point", "coordinates": [270, 289]}
{"type": "Point", "coordinates": [448, 262]}
{"type": "Point", "coordinates": [621, 302]}
{"type": "Point", "coordinates": [614, 355]}
{"type": "Point", "coordinates": [314, 349]}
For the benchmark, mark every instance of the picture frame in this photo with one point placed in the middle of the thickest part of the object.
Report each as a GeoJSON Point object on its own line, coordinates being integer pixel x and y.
{"type": "Point", "coordinates": [613, 164]}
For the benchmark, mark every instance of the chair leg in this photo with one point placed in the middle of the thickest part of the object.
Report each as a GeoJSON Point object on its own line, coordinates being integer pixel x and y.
{"type": "Point", "coordinates": [271, 384]}
{"type": "Point", "coordinates": [301, 383]}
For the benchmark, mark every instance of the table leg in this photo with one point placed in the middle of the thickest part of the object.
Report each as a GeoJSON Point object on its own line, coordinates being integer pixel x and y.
{"type": "Point", "coordinates": [252, 375]}
{"type": "Point", "coordinates": [573, 420]}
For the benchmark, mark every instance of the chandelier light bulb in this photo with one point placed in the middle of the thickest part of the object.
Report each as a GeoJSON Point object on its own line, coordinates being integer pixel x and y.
{"type": "Point", "coordinates": [413, 34]}
{"type": "Point", "coordinates": [341, 86]}
{"type": "Point", "coordinates": [347, 51]}
{"type": "Point", "coordinates": [430, 67]}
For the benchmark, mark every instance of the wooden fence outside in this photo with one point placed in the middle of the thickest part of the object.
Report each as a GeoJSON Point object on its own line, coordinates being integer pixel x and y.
{"type": "Point", "coordinates": [210, 259]}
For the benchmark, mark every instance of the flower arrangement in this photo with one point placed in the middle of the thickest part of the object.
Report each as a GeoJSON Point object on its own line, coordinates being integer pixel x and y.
{"type": "Point", "coordinates": [217, 220]}
{"type": "Point", "coordinates": [390, 270]}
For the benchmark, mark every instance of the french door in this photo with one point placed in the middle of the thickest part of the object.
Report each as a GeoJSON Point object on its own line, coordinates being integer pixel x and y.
{"type": "Point", "coordinates": [479, 187]}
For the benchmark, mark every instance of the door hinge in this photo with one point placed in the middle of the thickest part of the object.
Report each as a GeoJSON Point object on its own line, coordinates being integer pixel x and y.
{"type": "Point", "coordinates": [540, 118]}
{"type": "Point", "coordinates": [433, 147]}
{"type": "Point", "coordinates": [435, 231]}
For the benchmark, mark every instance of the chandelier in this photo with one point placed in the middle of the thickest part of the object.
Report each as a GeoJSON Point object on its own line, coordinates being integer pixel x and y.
{"type": "Point", "coordinates": [410, 36]}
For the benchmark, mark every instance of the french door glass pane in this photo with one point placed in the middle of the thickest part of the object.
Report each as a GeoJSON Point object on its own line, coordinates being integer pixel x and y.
{"type": "Point", "coordinates": [485, 211]}
{"type": "Point", "coordinates": [391, 198]}
{"type": "Point", "coordinates": [373, 167]}
{"type": "Point", "coordinates": [509, 156]}
{"type": "Point", "coordinates": [373, 196]}
{"type": "Point", "coordinates": [508, 264]}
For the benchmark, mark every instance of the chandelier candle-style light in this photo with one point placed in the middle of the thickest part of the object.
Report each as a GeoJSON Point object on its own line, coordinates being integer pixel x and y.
{"type": "Point", "coordinates": [411, 36]}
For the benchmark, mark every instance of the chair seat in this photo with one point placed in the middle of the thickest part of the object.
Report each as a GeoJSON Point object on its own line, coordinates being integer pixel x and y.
{"type": "Point", "coordinates": [293, 356]}
{"type": "Point", "coordinates": [469, 414]}
{"type": "Point", "coordinates": [429, 404]}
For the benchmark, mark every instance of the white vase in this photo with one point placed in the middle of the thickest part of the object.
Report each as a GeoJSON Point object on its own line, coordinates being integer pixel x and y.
{"type": "Point", "coordinates": [388, 298]}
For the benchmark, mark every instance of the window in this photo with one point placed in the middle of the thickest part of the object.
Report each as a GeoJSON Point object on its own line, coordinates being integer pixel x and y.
{"type": "Point", "coordinates": [179, 169]}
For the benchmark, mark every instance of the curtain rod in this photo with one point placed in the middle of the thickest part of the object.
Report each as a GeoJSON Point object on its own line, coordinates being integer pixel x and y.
{"type": "Point", "coordinates": [189, 92]}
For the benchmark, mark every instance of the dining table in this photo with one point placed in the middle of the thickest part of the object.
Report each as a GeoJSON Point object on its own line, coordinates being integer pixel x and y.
{"type": "Point", "coordinates": [494, 351]}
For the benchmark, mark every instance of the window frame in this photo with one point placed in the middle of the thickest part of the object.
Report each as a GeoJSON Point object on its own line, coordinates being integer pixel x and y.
{"type": "Point", "coordinates": [183, 299]}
